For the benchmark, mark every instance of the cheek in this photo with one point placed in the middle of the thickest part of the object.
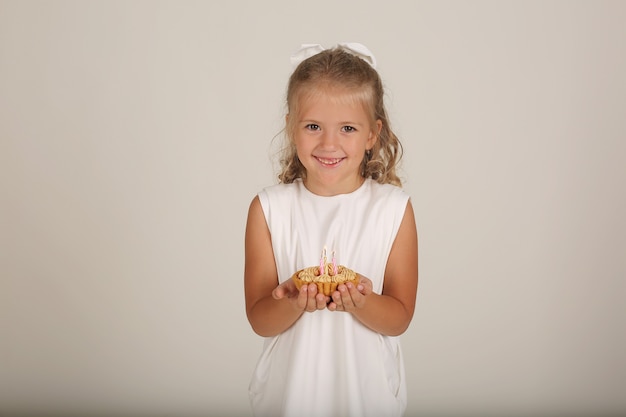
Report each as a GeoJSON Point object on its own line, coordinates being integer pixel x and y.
{"type": "Point", "coordinates": [301, 150]}
{"type": "Point", "coordinates": [298, 146]}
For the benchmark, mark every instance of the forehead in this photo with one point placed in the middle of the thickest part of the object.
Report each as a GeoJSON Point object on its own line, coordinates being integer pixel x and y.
{"type": "Point", "coordinates": [340, 102]}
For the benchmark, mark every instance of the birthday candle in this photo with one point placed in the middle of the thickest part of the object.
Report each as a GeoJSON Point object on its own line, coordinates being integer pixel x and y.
{"type": "Point", "coordinates": [334, 264]}
{"type": "Point", "coordinates": [323, 261]}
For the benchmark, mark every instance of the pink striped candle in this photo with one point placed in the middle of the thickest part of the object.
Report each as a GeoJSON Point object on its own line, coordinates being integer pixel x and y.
{"type": "Point", "coordinates": [323, 261]}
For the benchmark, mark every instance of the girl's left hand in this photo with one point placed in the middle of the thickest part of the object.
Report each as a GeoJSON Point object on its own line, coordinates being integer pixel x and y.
{"type": "Point", "coordinates": [350, 297]}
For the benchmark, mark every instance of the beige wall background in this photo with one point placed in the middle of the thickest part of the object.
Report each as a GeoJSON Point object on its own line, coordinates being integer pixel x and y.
{"type": "Point", "coordinates": [134, 134]}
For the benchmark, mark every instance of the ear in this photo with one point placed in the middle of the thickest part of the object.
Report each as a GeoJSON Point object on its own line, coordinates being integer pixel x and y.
{"type": "Point", "coordinates": [373, 138]}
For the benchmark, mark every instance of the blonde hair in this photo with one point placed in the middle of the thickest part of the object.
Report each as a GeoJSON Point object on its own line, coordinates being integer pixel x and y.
{"type": "Point", "coordinates": [336, 69]}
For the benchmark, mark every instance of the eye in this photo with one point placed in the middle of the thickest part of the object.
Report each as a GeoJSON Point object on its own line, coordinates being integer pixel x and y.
{"type": "Point", "coordinates": [348, 129]}
{"type": "Point", "coordinates": [312, 126]}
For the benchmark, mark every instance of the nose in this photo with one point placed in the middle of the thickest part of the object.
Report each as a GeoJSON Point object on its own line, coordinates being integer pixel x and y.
{"type": "Point", "coordinates": [329, 140]}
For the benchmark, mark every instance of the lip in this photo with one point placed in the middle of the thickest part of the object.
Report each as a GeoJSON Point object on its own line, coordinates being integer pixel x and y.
{"type": "Point", "coordinates": [329, 162]}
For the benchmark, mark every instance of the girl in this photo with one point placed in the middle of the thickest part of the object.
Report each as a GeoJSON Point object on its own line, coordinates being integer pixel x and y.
{"type": "Point", "coordinates": [337, 355]}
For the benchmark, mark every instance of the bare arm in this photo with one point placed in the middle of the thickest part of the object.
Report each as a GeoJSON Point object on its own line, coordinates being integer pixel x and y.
{"type": "Point", "coordinates": [391, 312]}
{"type": "Point", "coordinates": [271, 308]}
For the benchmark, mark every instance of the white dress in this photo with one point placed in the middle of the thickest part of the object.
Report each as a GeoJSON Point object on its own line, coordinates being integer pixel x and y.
{"type": "Point", "coordinates": [328, 363]}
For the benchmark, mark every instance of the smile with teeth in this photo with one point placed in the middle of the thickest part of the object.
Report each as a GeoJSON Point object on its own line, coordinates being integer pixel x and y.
{"type": "Point", "coordinates": [329, 161]}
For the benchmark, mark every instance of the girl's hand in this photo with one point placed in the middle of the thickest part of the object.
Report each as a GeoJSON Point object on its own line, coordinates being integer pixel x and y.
{"type": "Point", "coordinates": [306, 299]}
{"type": "Point", "coordinates": [350, 297]}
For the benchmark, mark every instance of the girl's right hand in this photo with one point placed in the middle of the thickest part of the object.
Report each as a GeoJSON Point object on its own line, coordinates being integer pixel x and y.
{"type": "Point", "coordinates": [305, 299]}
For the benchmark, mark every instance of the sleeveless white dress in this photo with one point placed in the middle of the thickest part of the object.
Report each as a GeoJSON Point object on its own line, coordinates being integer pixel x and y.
{"type": "Point", "coordinates": [328, 363]}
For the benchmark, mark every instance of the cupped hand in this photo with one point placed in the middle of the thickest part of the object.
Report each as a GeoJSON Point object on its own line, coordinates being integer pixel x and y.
{"type": "Point", "coordinates": [350, 297]}
{"type": "Point", "coordinates": [305, 299]}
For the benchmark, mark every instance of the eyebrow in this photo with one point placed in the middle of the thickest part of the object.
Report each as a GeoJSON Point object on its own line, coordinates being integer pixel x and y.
{"type": "Point", "coordinates": [340, 123]}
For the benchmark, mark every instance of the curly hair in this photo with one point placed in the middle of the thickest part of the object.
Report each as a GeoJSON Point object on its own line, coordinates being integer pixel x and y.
{"type": "Point", "coordinates": [337, 69]}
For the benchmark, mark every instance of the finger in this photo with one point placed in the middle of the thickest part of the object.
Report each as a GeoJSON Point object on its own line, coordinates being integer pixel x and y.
{"type": "Point", "coordinates": [311, 304]}
{"type": "Point", "coordinates": [302, 299]}
{"type": "Point", "coordinates": [284, 291]}
{"type": "Point", "coordinates": [336, 297]}
{"type": "Point", "coordinates": [320, 301]}
{"type": "Point", "coordinates": [352, 289]}
{"type": "Point", "coordinates": [346, 298]}
{"type": "Point", "coordinates": [356, 297]}
{"type": "Point", "coordinates": [278, 293]}
{"type": "Point", "coordinates": [337, 302]}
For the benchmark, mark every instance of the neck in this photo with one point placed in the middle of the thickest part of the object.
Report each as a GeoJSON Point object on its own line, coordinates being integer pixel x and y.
{"type": "Point", "coordinates": [329, 190]}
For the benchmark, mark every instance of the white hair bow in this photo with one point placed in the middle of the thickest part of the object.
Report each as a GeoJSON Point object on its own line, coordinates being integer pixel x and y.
{"type": "Point", "coordinates": [307, 50]}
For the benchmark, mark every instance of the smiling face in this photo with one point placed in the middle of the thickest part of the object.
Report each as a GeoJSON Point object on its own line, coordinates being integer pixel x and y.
{"type": "Point", "coordinates": [332, 132]}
